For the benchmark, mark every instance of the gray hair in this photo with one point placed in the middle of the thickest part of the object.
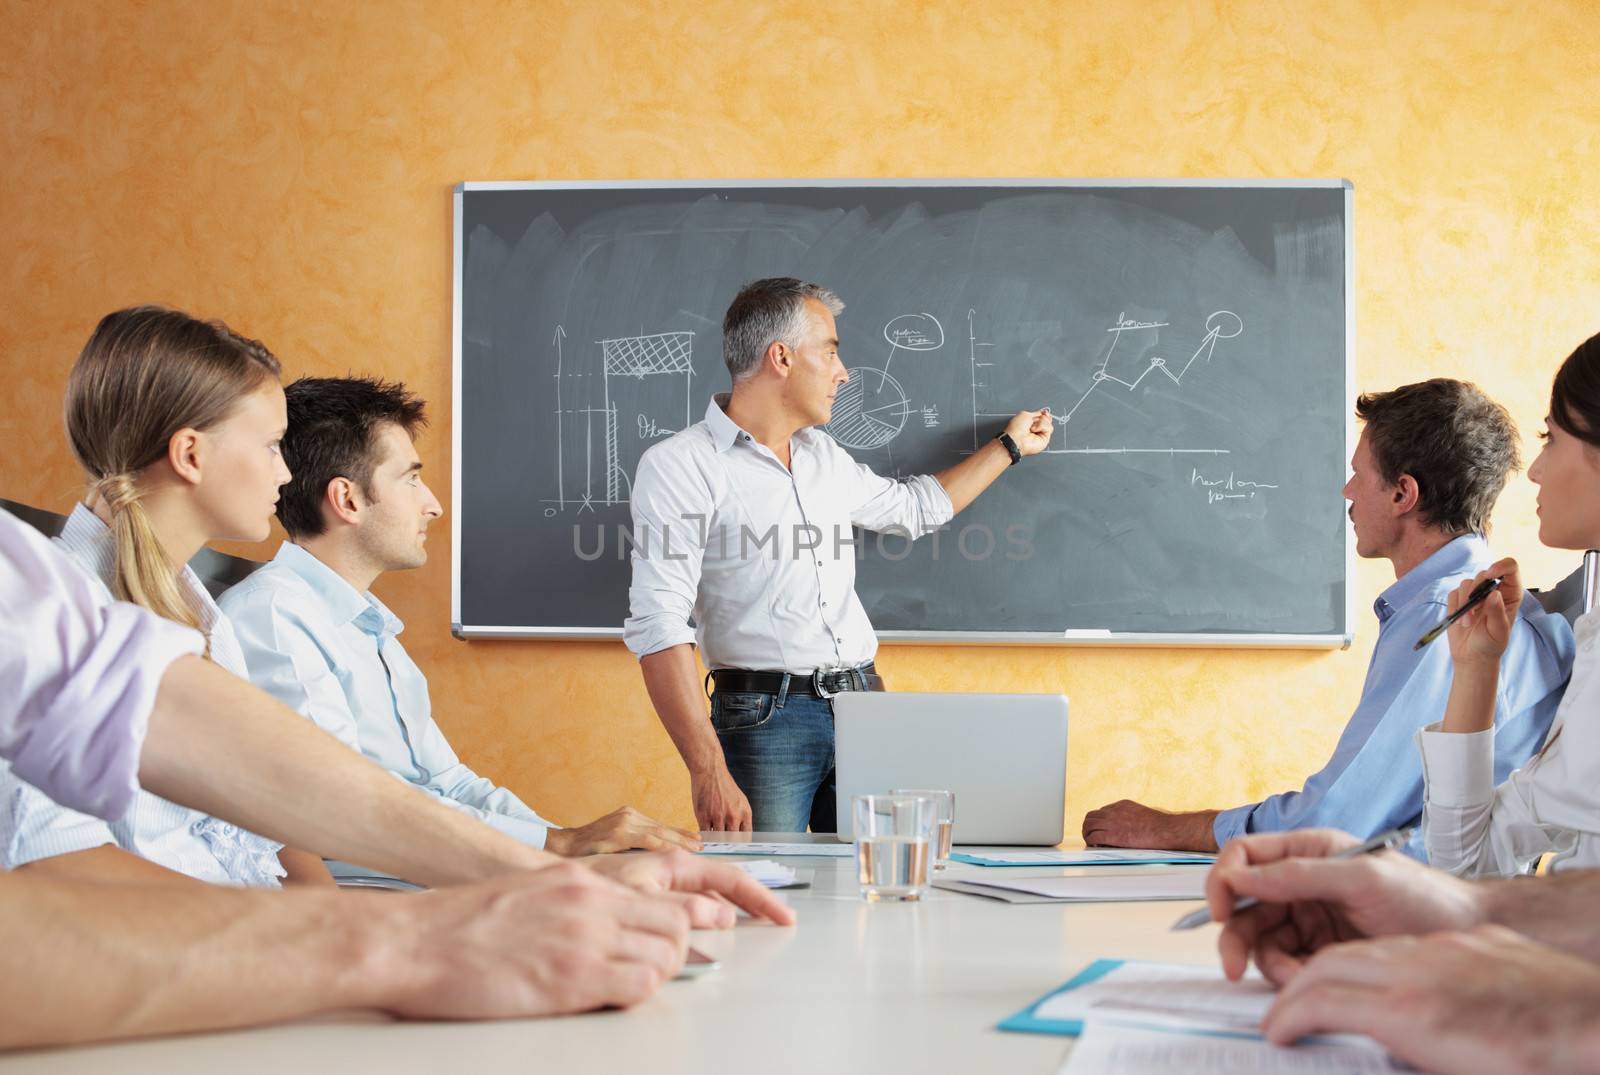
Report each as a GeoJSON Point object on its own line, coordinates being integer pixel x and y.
{"type": "Point", "coordinates": [766, 312]}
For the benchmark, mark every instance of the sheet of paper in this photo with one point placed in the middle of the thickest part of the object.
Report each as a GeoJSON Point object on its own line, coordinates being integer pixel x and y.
{"type": "Point", "coordinates": [1180, 885]}
{"type": "Point", "coordinates": [769, 873]}
{"type": "Point", "coordinates": [1201, 994]}
{"type": "Point", "coordinates": [1093, 856]}
{"type": "Point", "coordinates": [830, 851]}
{"type": "Point", "coordinates": [1108, 1046]}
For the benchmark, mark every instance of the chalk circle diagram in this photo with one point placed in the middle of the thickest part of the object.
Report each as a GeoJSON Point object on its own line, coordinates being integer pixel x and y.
{"type": "Point", "coordinates": [1225, 324]}
{"type": "Point", "coordinates": [913, 332]}
{"type": "Point", "coordinates": [871, 408]}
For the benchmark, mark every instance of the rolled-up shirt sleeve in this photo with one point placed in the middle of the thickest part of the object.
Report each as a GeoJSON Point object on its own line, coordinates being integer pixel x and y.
{"type": "Point", "coordinates": [78, 676]}
{"type": "Point", "coordinates": [914, 506]}
{"type": "Point", "coordinates": [672, 508]}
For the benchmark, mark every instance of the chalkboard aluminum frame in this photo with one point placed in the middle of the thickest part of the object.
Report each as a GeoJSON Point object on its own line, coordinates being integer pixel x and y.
{"type": "Point", "coordinates": [1195, 640]}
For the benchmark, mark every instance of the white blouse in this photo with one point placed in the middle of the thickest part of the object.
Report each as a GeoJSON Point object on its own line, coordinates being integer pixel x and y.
{"type": "Point", "coordinates": [1551, 804]}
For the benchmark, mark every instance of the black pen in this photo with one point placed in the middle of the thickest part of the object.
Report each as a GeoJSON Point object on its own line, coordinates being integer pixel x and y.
{"type": "Point", "coordinates": [1384, 841]}
{"type": "Point", "coordinates": [1479, 594]}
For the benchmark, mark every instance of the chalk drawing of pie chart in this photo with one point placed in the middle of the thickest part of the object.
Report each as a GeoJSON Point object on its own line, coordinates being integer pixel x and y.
{"type": "Point", "coordinates": [869, 410]}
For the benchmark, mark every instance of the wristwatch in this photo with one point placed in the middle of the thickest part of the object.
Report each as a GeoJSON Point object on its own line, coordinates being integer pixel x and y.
{"type": "Point", "coordinates": [1010, 445]}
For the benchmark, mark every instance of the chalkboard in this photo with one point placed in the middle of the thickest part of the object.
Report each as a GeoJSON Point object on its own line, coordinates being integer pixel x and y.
{"type": "Point", "coordinates": [1193, 340]}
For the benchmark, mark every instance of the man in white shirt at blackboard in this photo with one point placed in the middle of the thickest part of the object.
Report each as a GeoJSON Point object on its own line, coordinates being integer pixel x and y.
{"type": "Point", "coordinates": [744, 521]}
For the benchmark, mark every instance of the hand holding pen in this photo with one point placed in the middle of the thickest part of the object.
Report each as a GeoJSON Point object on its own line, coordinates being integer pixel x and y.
{"type": "Point", "coordinates": [1384, 841]}
{"type": "Point", "coordinates": [1458, 609]}
{"type": "Point", "coordinates": [1479, 633]}
{"type": "Point", "coordinates": [1310, 899]}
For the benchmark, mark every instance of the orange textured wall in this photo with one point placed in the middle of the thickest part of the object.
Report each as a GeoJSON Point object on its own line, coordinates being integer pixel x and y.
{"type": "Point", "coordinates": [287, 166]}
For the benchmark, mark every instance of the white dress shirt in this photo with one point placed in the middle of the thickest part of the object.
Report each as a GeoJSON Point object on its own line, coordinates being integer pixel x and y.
{"type": "Point", "coordinates": [1551, 804]}
{"type": "Point", "coordinates": [33, 826]}
{"type": "Point", "coordinates": [78, 674]}
{"type": "Point", "coordinates": [760, 555]}
{"type": "Point", "coordinates": [333, 654]}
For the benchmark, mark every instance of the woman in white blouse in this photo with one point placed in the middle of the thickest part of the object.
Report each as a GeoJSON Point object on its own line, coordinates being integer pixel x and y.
{"type": "Point", "coordinates": [177, 423]}
{"type": "Point", "coordinates": [1552, 804]}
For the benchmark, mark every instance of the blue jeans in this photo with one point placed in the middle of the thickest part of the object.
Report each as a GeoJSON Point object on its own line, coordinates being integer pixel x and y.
{"type": "Point", "coordinates": [781, 756]}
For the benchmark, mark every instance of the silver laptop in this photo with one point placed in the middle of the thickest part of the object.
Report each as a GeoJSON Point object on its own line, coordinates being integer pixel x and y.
{"type": "Point", "coordinates": [1004, 756]}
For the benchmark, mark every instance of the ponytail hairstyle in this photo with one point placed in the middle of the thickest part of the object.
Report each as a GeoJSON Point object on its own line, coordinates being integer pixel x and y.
{"type": "Point", "coordinates": [146, 373]}
{"type": "Point", "coordinates": [1575, 396]}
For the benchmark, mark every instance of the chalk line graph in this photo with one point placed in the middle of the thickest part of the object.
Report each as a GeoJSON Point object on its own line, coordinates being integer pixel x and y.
{"type": "Point", "coordinates": [1220, 325]}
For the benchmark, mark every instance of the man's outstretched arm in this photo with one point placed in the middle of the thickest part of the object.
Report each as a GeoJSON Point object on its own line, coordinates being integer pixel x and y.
{"type": "Point", "coordinates": [1030, 430]}
{"type": "Point", "coordinates": [1556, 909]}
{"type": "Point", "coordinates": [93, 962]}
{"type": "Point", "coordinates": [221, 746]}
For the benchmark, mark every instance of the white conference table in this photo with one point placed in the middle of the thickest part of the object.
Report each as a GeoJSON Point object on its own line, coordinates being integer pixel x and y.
{"type": "Point", "coordinates": [855, 987]}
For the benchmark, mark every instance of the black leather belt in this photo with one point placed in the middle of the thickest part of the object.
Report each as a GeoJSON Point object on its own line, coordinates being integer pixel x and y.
{"type": "Point", "coordinates": [823, 683]}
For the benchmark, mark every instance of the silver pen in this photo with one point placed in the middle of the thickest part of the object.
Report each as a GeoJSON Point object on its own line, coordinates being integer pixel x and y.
{"type": "Point", "coordinates": [1384, 841]}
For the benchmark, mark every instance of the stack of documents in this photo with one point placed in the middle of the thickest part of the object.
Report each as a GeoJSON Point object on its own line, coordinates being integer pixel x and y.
{"type": "Point", "coordinates": [1093, 856]}
{"type": "Point", "coordinates": [1113, 1047]}
{"type": "Point", "coordinates": [1118, 986]}
{"type": "Point", "coordinates": [824, 850]}
{"type": "Point", "coordinates": [1149, 1018]}
{"type": "Point", "coordinates": [1094, 888]}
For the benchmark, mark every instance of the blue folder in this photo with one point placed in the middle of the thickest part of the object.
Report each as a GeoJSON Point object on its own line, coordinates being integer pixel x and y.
{"type": "Point", "coordinates": [1028, 1023]}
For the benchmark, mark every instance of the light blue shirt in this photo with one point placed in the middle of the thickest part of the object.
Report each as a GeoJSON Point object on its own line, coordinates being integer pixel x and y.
{"type": "Point", "coordinates": [333, 654]}
{"type": "Point", "coordinates": [1373, 782]}
{"type": "Point", "coordinates": [33, 826]}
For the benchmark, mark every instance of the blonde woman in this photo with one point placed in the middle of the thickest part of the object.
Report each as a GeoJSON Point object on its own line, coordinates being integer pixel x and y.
{"type": "Point", "coordinates": [177, 423]}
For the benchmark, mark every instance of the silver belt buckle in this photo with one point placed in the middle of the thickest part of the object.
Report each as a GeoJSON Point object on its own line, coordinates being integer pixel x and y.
{"type": "Point", "coordinates": [817, 681]}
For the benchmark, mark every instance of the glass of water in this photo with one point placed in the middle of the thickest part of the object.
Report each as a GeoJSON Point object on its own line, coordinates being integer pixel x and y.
{"type": "Point", "coordinates": [944, 820]}
{"type": "Point", "coordinates": [894, 845]}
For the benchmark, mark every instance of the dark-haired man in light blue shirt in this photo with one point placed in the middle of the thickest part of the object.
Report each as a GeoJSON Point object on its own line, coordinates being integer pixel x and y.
{"type": "Point", "coordinates": [316, 638]}
{"type": "Point", "coordinates": [1430, 464]}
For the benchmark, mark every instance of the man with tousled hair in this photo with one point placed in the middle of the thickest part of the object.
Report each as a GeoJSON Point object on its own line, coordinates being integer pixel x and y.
{"type": "Point", "coordinates": [315, 637]}
{"type": "Point", "coordinates": [1427, 470]}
